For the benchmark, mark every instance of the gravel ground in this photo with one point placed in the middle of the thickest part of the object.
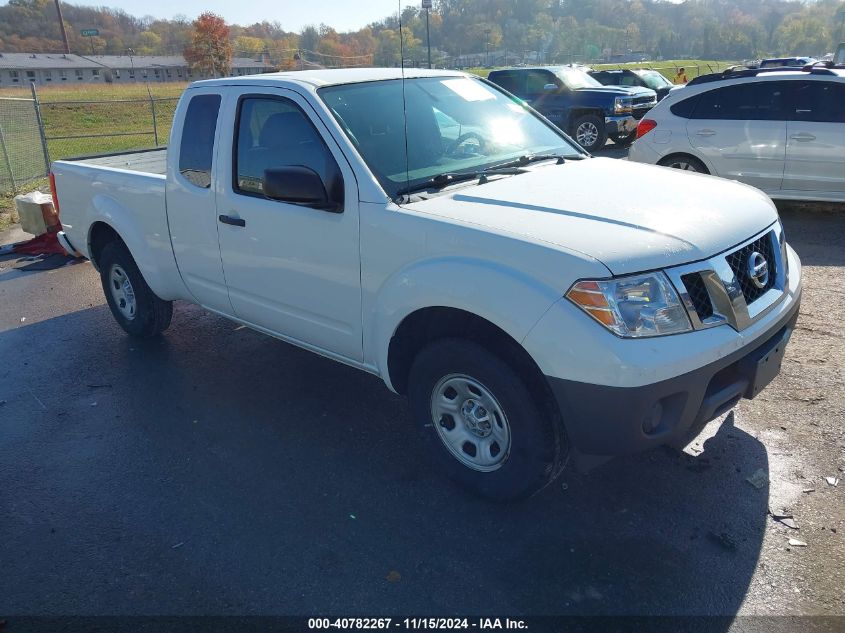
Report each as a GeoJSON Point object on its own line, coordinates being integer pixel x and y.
{"type": "Point", "coordinates": [801, 421]}
{"type": "Point", "coordinates": [215, 470]}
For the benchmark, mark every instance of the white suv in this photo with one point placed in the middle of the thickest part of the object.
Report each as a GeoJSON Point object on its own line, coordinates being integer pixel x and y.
{"type": "Point", "coordinates": [780, 131]}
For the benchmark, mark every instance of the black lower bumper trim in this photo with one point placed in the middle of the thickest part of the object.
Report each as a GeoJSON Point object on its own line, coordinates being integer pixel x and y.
{"type": "Point", "coordinates": [603, 420]}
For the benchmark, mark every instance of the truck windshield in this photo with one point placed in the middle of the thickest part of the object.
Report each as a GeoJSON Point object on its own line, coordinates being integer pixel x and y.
{"type": "Point", "coordinates": [454, 125]}
{"type": "Point", "coordinates": [575, 79]}
{"type": "Point", "coordinates": [654, 80]}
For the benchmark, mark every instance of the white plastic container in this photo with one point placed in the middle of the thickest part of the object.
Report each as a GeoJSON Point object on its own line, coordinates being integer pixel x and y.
{"type": "Point", "coordinates": [36, 212]}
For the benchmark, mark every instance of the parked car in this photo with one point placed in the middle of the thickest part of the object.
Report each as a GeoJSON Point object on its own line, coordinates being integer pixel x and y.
{"type": "Point", "coordinates": [530, 313]}
{"type": "Point", "coordinates": [780, 62]}
{"type": "Point", "coordinates": [641, 77]}
{"type": "Point", "coordinates": [783, 132]}
{"type": "Point", "coordinates": [578, 104]}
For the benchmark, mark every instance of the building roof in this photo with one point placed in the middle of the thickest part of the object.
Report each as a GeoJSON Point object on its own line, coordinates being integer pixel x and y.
{"type": "Point", "coordinates": [248, 62]}
{"type": "Point", "coordinates": [46, 61]}
{"type": "Point", "coordinates": [52, 61]}
{"type": "Point", "coordinates": [139, 61]}
{"type": "Point", "coordinates": [164, 61]}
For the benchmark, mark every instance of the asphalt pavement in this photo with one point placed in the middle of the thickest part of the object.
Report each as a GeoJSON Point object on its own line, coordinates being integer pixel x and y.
{"type": "Point", "coordinates": [215, 470]}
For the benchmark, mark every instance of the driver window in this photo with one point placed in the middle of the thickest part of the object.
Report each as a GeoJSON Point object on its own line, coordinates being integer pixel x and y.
{"type": "Point", "coordinates": [274, 132]}
{"type": "Point", "coordinates": [536, 80]}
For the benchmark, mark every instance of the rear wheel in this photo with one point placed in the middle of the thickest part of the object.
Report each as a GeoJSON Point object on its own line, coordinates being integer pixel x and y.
{"type": "Point", "coordinates": [481, 422]}
{"type": "Point", "coordinates": [133, 304]}
{"type": "Point", "coordinates": [684, 162]}
{"type": "Point", "coordinates": [590, 133]}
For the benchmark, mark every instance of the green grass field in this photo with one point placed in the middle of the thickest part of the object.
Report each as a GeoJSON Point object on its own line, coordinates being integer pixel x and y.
{"type": "Point", "coordinates": [98, 92]}
{"type": "Point", "coordinates": [121, 119]}
{"type": "Point", "coordinates": [107, 118]}
{"type": "Point", "coordinates": [118, 118]}
{"type": "Point", "coordinates": [124, 110]}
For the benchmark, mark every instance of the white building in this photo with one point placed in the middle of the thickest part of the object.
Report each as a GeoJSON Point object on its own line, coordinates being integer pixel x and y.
{"type": "Point", "coordinates": [21, 69]}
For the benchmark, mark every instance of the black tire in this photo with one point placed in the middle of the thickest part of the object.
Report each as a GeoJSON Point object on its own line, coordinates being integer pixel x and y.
{"type": "Point", "coordinates": [624, 140]}
{"type": "Point", "coordinates": [594, 132]}
{"type": "Point", "coordinates": [151, 315]}
{"type": "Point", "coordinates": [537, 447]}
{"type": "Point", "coordinates": [684, 162]}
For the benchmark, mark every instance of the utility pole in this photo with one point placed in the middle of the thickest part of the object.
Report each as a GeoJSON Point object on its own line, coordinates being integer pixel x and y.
{"type": "Point", "coordinates": [487, 47]}
{"type": "Point", "coordinates": [428, 36]}
{"type": "Point", "coordinates": [62, 27]}
{"type": "Point", "coordinates": [426, 4]}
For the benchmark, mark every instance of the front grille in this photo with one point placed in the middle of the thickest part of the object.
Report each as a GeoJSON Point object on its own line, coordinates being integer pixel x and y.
{"type": "Point", "coordinates": [738, 261]}
{"type": "Point", "coordinates": [698, 294]}
{"type": "Point", "coordinates": [642, 105]}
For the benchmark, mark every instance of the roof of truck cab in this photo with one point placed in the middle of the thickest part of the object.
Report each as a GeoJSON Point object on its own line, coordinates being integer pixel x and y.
{"type": "Point", "coordinates": [329, 77]}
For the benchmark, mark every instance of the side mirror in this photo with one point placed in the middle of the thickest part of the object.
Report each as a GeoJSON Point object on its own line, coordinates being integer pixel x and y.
{"type": "Point", "coordinates": [298, 185]}
{"type": "Point", "coordinates": [550, 88]}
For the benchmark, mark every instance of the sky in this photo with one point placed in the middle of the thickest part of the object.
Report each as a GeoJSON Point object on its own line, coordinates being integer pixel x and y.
{"type": "Point", "coordinates": [342, 15]}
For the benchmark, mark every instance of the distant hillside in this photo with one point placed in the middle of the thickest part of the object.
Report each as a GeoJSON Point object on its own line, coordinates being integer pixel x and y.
{"type": "Point", "coordinates": [561, 30]}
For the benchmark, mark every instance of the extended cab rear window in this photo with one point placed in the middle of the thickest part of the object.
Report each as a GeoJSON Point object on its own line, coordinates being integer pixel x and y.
{"type": "Point", "coordinates": [197, 146]}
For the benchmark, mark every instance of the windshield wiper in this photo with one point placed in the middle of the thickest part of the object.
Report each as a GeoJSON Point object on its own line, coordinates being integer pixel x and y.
{"type": "Point", "coordinates": [445, 179]}
{"type": "Point", "coordinates": [511, 167]}
{"type": "Point", "coordinates": [527, 159]}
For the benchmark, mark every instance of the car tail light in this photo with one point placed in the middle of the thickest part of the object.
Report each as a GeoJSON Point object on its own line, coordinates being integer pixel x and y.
{"type": "Point", "coordinates": [53, 192]}
{"type": "Point", "coordinates": [645, 126]}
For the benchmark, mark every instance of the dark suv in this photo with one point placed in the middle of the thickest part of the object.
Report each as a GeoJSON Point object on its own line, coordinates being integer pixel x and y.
{"type": "Point", "coordinates": [578, 104]}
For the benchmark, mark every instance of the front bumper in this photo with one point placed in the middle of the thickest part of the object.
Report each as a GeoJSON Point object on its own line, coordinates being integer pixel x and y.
{"type": "Point", "coordinates": [620, 124]}
{"type": "Point", "coordinates": [604, 420]}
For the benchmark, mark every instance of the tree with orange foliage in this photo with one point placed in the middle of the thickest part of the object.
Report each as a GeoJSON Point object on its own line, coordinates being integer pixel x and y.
{"type": "Point", "coordinates": [210, 51]}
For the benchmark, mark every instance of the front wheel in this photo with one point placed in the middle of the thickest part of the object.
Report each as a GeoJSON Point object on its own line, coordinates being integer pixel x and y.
{"type": "Point", "coordinates": [624, 140]}
{"type": "Point", "coordinates": [590, 133]}
{"type": "Point", "coordinates": [481, 423]}
{"type": "Point", "coordinates": [133, 304]}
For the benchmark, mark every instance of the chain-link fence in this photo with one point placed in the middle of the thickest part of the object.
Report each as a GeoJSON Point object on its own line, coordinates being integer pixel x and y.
{"type": "Point", "coordinates": [34, 132]}
{"type": "Point", "coordinates": [79, 128]}
{"type": "Point", "coordinates": [22, 158]}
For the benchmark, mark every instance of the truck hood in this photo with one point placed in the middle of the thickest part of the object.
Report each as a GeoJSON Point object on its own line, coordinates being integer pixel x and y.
{"type": "Point", "coordinates": [616, 91]}
{"type": "Point", "coordinates": [629, 216]}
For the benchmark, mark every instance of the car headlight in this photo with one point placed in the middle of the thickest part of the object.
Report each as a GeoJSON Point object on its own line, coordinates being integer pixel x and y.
{"type": "Point", "coordinates": [633, 307]}
{"type": "Point", "coordinates": [623, 104]}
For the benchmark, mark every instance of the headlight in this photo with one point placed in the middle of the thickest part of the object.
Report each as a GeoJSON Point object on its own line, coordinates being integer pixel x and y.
{"type": "Point", "coordinates": [632, 307]}
{"type": "Point", "coordinates": [784, 256]}
{"type": "Point", "coordinates": [623, 104]}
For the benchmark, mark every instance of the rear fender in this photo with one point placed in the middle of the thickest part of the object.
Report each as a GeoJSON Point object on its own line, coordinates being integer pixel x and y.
{"type": "Point", "coordinates": [148, 243]}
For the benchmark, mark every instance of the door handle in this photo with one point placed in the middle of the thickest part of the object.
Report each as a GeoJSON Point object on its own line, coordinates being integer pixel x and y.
{"type": "Point", "coordinates": [228, 219]}
{"type": "Point", "coordinates": [803, 137]}
{"type": "Point", "coordinates": [706, 133]}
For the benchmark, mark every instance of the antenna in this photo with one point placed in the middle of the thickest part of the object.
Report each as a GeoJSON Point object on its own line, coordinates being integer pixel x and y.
{"type": "Point", "coordinates": [404, 102]}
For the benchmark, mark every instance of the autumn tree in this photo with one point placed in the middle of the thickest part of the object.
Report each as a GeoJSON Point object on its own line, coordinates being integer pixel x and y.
{"type": "Point", "coordinates": [210, 52]}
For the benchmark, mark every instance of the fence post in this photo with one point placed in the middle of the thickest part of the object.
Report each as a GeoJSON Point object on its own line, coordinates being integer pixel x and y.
{"type": "Point", "coordinates": [41, 131]}
{"type": "Point", "coordinates": [7, 161]}
{"type": "Point", "coordinates": [153, 110]}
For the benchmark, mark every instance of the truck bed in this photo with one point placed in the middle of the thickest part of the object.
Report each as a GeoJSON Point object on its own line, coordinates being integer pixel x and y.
{"type": "Point", "coordinates": [148, 161]}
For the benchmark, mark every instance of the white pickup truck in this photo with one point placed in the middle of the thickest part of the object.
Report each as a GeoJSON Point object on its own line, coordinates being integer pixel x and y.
{"type": "Point", "coordinates": [533, 302]}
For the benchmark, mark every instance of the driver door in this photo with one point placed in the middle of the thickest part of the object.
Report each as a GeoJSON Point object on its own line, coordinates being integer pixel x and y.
{"type": "Point", "coordinates": [290, 269]}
